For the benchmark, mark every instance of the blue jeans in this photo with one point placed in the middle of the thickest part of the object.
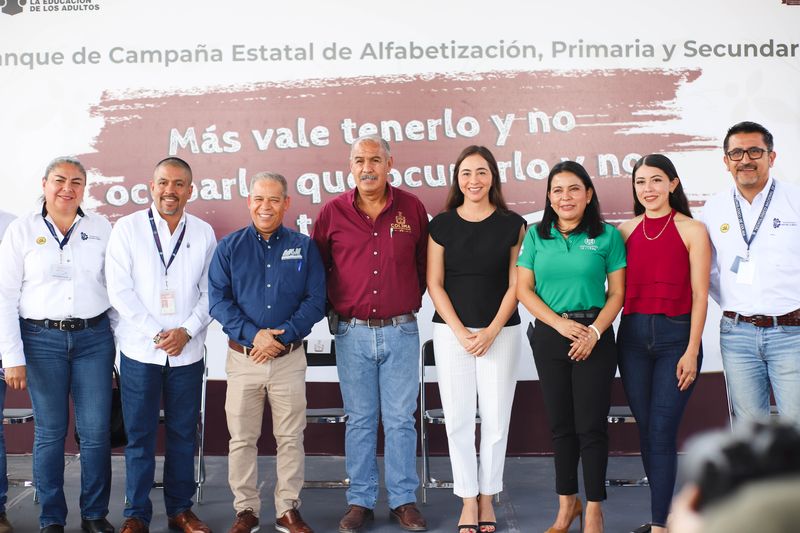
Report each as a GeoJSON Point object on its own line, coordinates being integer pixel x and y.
{"type": "Point", "coordinates": [755, 358]}
{"type": "Point", "coordinates": [379, 377]}
{"type": "Point", "coordinates": [3, 462]}
{"type": "Point", "coordinates": [60, 364]}
{"type": "Point", "coordinates": [649, 349]}
{"type": "Point", "coordinates": [143, 385]}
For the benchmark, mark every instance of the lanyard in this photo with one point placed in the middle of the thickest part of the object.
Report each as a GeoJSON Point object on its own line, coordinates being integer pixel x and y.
{"type": "Point", "coordinates": [758, 222]}
{"type": "Point", "coordinates": [61, 244]}
{"type": "Point", "coordinates": [158, 242]}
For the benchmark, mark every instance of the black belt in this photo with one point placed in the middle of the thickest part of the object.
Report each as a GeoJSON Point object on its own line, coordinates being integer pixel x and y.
{"type": "Point", "coordinates": [69, 324]}
{"type": "Point", "coordinates": [767, 321]}
{"type": "Point", "coordinates": [235, 346]}
{"type": "Point", "coordinates": [380, 322]}
{"type": "Point", "coordinates": [589, 313]}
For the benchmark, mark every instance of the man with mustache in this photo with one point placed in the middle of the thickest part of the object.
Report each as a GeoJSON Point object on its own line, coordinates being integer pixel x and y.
{"type": "Point", "coordinates": [755, 231]}
{"type": "Point", "coordinates": [157, 272]}
{"type": "Point", "coordinates": [373, 241]}
{"type": "Point", "coordinates": [267, 289]}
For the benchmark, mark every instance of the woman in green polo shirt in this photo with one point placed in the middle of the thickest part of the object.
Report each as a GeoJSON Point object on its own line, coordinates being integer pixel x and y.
{"type": "Point", "coordinates": [565, 263]}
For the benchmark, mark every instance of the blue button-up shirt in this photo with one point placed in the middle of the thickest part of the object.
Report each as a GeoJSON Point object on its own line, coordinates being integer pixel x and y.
{"type": "Point", "coordinates": [277, 283]}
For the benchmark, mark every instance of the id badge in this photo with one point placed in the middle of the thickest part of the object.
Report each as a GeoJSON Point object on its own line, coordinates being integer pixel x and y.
{"type": "Point", "coordinates": [167, 302]}
{"type": "Point", "coordinates": [746, 272]}
{"type": "Point", "coordinates": [61, 271]}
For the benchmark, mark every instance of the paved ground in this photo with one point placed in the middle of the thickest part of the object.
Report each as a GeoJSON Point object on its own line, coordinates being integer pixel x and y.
{"type": "Point", "coordinates": [527, 505]}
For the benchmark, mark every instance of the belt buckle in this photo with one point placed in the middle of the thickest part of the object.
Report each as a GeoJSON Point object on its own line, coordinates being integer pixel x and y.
{"type": "Point", "coordinates": [63, 325]}
{"type": "Point", "coordinates": [378, 323]}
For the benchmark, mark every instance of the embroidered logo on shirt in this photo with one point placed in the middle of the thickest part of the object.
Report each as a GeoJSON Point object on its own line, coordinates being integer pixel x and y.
{"type": "Point", "coordinates": [41, 240]}
{"type": "Point", "coordinates": [724, 228]}
{"type": "Point", "coordinates": [400, 224]}
{"type": "Point", "coordinates": [292, 253]}
{"type": "Point", "coordinates": [777, 223]}
{"type": "Point", "coordinates": [589, 244]}
{"type": "Point", "coordinates": [85, 237]}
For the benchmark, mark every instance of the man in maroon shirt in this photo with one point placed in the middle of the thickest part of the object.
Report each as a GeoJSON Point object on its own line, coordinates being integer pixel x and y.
{"type": "Point", "coordinates": [373, 241]}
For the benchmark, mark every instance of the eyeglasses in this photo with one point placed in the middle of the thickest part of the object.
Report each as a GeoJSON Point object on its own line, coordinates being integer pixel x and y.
{"type": "Point", "coordinates": [737, 154]}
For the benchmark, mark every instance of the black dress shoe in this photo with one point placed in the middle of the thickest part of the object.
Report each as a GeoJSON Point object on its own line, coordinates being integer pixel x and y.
{"type": "Point", "coordinates": [98, 525]}
{"type": "Point", "coordinates": [52, 528]}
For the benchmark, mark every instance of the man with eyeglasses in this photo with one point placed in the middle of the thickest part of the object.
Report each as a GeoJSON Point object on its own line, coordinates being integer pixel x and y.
{"type": "Point", "coordinates": [755, 232]}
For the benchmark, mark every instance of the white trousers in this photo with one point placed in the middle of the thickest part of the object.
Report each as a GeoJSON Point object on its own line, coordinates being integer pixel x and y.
{"type": "Point", "coordinates": [469, 384]}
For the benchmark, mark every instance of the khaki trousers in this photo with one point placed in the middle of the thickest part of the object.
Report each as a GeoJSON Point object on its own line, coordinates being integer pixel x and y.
{"type": "Point", "coordinates": [283, 382]}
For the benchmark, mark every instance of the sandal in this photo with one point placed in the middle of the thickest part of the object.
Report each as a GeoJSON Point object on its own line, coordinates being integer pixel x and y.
{"type": "Point", "coordinates": [487, 527]}
{"type": "Point", "coordinates": [467, 528]}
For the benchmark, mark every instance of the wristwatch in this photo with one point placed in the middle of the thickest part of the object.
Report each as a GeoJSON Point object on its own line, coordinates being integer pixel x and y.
{"type": "Point", "coordinates": [157, 338]}
{"type": "Point", "coordinates": [189, 335]}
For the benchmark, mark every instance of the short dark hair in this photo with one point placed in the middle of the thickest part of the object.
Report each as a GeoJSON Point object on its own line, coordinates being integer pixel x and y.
{"type": "Point", "coordinates": [677, 198]}
{"type": "Point", "coordinates": [748, 127]}
{"type": "Point", "coordinates": [175, 162]}
{"type": "Point", "coordinates": [455, 197]}
{"type": "Point", "coordinates": [592, 221]}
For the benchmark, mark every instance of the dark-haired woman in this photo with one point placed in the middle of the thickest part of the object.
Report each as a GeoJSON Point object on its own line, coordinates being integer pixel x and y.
{"type": "Point", "coordinates": [666, 296]}
{"type": "Point", "coordinates": [565, 263]}
{"type": "Point", "coordinates": [55, 337]}
{"type": "Point", "coordinates": [472, 251]}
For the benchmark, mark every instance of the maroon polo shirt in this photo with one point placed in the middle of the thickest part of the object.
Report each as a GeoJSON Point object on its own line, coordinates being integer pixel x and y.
{"type": "Point", "coordinates": [375, 269]}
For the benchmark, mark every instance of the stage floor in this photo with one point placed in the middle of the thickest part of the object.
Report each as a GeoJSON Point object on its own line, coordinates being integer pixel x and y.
{"type": "Point", "coordinates": [527, 504]}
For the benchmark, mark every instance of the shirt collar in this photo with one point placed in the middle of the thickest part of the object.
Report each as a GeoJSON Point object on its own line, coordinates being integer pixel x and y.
{"type": "Point", "coordinates": [351, 196]}
{"type": "Point", "coordinates": [759, 198]}
{"type": "Point", "coordinates": [159, 219]}
{"type": "Point", "coordinates": [278, 232]}
{"type": "Point", "coordinates": [44, 211]}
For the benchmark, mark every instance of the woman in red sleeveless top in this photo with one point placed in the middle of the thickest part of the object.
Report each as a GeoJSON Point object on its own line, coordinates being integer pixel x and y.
{"type": "Point", "coordinates": [666, 297]}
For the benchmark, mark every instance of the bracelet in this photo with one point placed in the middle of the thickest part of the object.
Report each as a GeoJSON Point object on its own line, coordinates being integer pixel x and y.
{"type": "Point", "coordinates": [596, 331]}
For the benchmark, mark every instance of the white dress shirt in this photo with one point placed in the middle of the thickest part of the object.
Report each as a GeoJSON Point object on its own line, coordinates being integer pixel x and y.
{"type": "Point", "coordinates": [136, 280]}
{"type": "Point", "coordinates": [5, 220]}
{"type": "Point", "coordinates": [40, 281]}
{"type": "Point", "coordinates": [775, 251]}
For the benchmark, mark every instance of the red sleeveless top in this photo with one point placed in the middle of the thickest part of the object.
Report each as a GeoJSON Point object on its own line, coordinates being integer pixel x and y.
{"type": "Point", "coordinates": [657, 280]}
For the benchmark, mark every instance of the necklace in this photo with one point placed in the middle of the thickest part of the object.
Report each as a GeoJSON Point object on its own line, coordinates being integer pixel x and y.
{"type": "Point", "coordinates": [644, 228]}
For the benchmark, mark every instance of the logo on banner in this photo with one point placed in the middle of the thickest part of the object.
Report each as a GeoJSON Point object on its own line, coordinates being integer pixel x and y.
{"type": "Point", "coordinates": [15, 7]}
{"type": "Point", "coordinates": [12, 7]}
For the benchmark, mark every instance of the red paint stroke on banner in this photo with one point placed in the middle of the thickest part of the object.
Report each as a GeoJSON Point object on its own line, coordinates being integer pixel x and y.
{"type": "Point", "coordinates": [602, 115]}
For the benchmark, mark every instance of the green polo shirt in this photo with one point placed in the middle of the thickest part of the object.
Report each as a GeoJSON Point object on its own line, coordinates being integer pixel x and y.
{"type": "Point", "coordinates": [571, 273]}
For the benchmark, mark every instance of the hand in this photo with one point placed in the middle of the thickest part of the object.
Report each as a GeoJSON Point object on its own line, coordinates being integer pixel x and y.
{"type": "Point", "coordinates": [481, 341]}
{"type": "Point", "coordinates": [266, 346]}
{"type": "Point", "coordinates": [572, 330]}
{"type": "Point", "coordinates": [16, 377]}
{"type": "Point", "coordinates": [582, 348]}
{"type": "Point", "coordinates": [173, 341]}
{"type": "Point", "coordinates": [686, 371]}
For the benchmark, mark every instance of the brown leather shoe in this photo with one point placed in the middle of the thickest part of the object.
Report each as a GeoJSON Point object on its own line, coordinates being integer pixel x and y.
{"type": "Point", "coordinates": [354, 519]}
{"type": "Point", "coordinates": [409, 517]}
{"type": "Point", "coordinates": [134, 525]}
{"type": "Point", "coordinates": [246, 522]}
{"type": "Point", "coordinates": [188, 522]}
{"type": "Point", "coordinates": [292, 522]}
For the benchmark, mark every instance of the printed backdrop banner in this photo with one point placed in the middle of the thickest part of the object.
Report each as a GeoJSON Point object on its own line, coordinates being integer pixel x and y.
{"type": "Point", "coordinates": [240, 87]}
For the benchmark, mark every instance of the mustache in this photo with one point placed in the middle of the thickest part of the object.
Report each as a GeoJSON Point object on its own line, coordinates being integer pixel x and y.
{"type": "Point", "coordinates": [369, 177]}
{"type": "Point", "coordinates": [749, 166]}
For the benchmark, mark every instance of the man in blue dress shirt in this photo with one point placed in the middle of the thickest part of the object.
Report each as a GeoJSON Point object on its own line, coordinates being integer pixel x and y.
{"type": "Point", "coordinates": [267, 289]}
